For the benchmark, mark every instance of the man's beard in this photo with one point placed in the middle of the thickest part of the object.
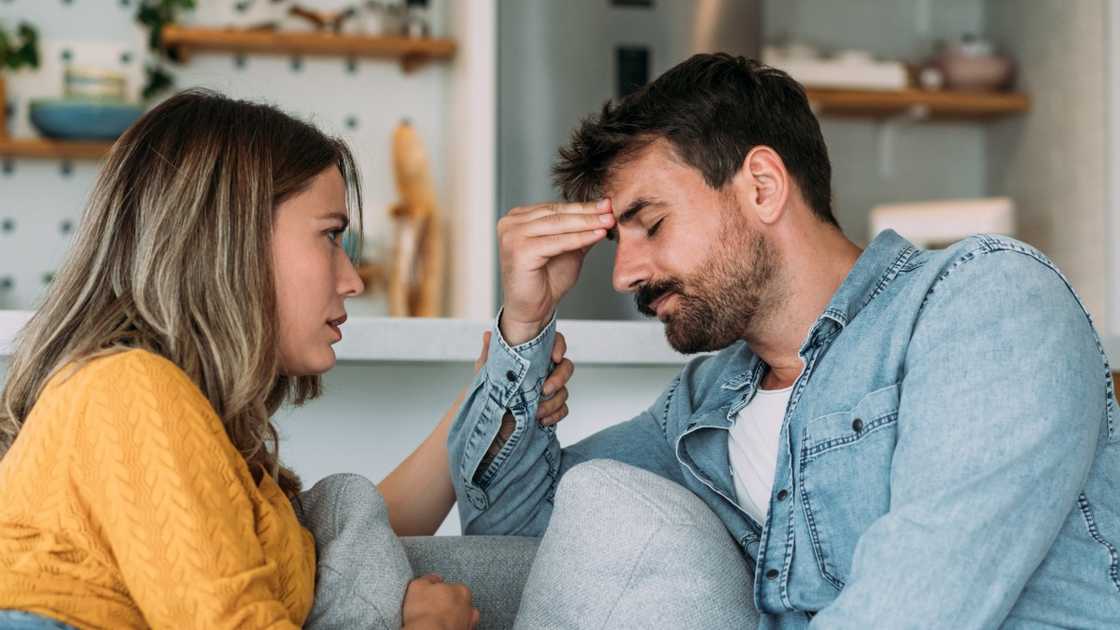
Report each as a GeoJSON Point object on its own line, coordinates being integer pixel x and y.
{"type": "Point", "coordinates": [718, 305]}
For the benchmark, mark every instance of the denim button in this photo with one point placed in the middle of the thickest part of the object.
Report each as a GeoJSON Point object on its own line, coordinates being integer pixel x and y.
{"type": "Point", "coordinates": [772, 574]}
{"type": "Point", "coordinates": [511, 376]}
{"type": "Point", "coordinates": [782, 495]}
{"type": "Point", "coordinates": [857, 425]}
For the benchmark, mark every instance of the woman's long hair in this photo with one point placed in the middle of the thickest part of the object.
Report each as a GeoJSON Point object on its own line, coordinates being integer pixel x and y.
{"type": "Point", "coordinates": [174, 256]}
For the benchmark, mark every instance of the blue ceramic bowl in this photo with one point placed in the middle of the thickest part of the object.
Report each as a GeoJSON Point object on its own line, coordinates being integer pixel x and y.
{"type": "Point", "coordinates": [76, 119]}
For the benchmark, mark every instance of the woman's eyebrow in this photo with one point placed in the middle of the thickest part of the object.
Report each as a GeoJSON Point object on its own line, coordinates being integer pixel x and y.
{"type": "Point", "coordinates": [341, 216]}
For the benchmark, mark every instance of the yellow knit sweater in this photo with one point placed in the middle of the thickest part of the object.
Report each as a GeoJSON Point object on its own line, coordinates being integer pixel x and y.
{"type": "Point", "coordinates": [123, 504]}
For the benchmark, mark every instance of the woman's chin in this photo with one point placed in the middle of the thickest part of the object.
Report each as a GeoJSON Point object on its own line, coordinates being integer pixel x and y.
{"type": "Point", "coordinates": [312, 365]}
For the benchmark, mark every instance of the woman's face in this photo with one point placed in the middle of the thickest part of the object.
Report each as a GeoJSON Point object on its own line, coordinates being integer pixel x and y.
{"type": "Point", "coordinates": [313, 274]}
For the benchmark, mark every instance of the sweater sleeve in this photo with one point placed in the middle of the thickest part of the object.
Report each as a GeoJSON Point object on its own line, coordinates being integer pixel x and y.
{"type": "Point", "coordinates": [171, 498]}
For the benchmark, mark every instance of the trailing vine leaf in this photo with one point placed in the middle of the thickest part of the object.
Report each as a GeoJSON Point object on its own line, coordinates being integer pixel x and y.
{"type": "Point", "coordinates": [154, 15]}
{"type": "Point", "coordinates": [21, 50]}
{"type": "Point", "coordinates": [159, 80]}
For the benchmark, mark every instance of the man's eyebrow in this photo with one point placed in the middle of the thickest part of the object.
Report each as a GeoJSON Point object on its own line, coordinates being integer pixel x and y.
{"type": "Point", "coordinates": [633, 209]}
{"type": "Point", "coordinates": [628, 215]}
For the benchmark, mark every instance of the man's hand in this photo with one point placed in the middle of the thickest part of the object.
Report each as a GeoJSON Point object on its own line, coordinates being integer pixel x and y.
{"type": "Point", "coordinates": [542, 249]}
{"type": "Point", "coordinates": [430, 604]}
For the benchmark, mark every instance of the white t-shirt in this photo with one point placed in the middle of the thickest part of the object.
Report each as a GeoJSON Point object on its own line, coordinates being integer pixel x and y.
{"type": "Point", "coordinates": [752, 445]}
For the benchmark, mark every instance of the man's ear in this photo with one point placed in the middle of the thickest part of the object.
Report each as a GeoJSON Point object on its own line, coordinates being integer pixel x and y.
{"type": "Point", "coordinates": [762, 184]}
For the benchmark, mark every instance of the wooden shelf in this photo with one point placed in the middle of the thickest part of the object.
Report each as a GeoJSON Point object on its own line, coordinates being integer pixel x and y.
{"type": "Point", "coordinates": [52, 149]}
{"type": "Point", "coordinates": [412, 52]}
{"type": "Point", "coordinates": [942, 104]}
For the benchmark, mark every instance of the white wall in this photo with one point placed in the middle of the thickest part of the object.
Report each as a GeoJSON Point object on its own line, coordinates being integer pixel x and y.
{"type": "Point", "coordinates": [373, 415]}
{"type": "Point", "coordinates": [450, 104]}
{"type": "Point", "coordinates": [938, 160]}
{"type": "Point", "coordinates": [1054, 160]}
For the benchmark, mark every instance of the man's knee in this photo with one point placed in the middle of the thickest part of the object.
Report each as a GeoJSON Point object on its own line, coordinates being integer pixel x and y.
{"type": "Point", "coordinates": [602, 485]}
{"type": "Point", "coordinates": [627, 548]}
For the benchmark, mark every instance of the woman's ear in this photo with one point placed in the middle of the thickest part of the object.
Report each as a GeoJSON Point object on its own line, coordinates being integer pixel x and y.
{"type": "Point", "coordinates": [763, 184]}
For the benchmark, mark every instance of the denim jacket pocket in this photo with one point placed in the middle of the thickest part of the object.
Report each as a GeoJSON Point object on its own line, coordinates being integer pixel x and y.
{"type": "Point", "coordinates": [844, 477]}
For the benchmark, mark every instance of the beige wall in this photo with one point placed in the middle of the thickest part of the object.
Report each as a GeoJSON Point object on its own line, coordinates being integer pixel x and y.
{"type": "Point", "coordinates": [1053, 161]}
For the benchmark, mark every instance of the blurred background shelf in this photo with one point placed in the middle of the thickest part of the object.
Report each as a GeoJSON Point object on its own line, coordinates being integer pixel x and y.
{"type": "Point", "coordinates": [52, 149]}
{"type": "Point", "coordinates": [936, 104]}
{"type": "Point", "coordinates": [412, 52]}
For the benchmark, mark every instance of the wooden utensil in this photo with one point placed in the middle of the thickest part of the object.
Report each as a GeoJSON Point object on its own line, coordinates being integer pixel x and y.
{"type": "Point", "coordinates": [417, 268]}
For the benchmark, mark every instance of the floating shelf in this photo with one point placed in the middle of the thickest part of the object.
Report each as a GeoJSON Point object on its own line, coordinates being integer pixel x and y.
{"type": "Point", "coordinates": [941, 104]}
{"type": "Point", "coordinates": [52, 149]}
{"type": "Point", "coordinates": [412, 52]}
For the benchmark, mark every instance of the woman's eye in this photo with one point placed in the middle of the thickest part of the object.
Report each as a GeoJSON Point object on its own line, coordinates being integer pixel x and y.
{"type": "Point", "coordinates": [653, 228]}
{"type": "Point", "coordinates": [334, 235]}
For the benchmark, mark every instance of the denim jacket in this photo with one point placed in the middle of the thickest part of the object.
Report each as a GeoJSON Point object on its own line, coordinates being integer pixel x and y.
{"type": "Point", "coordinates": [949, 458]}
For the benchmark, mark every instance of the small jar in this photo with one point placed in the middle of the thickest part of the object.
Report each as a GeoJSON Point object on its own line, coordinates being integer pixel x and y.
{"type": "Point", "coordinates": [418, 21]}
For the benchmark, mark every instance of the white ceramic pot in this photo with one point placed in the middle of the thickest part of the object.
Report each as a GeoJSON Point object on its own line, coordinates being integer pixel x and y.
{"type": "Point", "coordinates": [236, 13]}
{"type": "Point", "coordinates": [975, 72]}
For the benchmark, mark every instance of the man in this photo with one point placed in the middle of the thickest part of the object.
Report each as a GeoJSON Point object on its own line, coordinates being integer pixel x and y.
{"type": "Point", "coordinates": [894, 437]}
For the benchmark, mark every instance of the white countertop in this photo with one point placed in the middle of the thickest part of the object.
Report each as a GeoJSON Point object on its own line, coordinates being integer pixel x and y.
{"type": "Point", "coordinates": [403, 340]}
{"type": "Point", "coordinates": [385, 339]}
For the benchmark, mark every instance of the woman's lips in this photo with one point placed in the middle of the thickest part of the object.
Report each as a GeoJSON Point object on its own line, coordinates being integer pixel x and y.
{"type": "Point", "coordinates": [336, 326]}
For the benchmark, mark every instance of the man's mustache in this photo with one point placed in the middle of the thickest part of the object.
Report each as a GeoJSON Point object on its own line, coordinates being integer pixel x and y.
{"type": "Point", "coordinates": [650, 292]}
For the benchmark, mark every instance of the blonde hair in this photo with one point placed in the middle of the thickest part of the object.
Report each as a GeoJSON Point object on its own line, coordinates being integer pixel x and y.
{"type": "Point", "coordinates": [173, 256]}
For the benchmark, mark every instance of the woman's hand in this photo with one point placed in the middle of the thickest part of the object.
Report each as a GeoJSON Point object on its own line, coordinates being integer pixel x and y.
{"type": "Point", "coordinates": [432, 604]}
{"type": "Point", "coordinates": [554, 397]}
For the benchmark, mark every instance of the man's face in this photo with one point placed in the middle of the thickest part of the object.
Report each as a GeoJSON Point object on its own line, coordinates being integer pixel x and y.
{"type": "Point", "coordinates": [688, 252]}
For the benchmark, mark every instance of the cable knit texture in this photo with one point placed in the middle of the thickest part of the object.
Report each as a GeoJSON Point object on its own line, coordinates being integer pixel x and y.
{"type": "Point", "coordinates": [123, 504]}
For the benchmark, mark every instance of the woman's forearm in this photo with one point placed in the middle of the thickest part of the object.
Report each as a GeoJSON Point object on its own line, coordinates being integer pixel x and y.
{"type": "Point", "coordinates": [419, 492]}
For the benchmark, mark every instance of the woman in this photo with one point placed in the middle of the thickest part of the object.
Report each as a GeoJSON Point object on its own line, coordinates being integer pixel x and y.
{"type": "Point", "coordinates": [140, 483]}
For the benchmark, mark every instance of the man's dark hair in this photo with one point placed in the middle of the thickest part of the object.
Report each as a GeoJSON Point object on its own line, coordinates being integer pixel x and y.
{"type": "Point", "coordinates": [713, 109]}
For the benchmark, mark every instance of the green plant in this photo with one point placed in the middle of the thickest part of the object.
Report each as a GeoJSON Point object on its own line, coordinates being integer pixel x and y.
{"type": "Point", "coordinates": [21, 49]}
{"type": "Point", "coordinates": [154, 15]}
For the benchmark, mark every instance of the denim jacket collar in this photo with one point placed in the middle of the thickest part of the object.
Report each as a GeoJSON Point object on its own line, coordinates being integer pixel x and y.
{"type": "Point", "coordinates": [884, 257]}
{"type": "Point", "coordinates": [880, 263]}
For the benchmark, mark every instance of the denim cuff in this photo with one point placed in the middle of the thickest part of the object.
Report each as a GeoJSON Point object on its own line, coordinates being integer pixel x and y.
{"type": "Point", "coordinates": [511, 380]}
{"type": "Point", "coordinates": [518, 372]}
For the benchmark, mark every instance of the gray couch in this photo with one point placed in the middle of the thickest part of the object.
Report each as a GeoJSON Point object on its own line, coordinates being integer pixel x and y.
{"type": "Point", "coordinates": [624, 549]}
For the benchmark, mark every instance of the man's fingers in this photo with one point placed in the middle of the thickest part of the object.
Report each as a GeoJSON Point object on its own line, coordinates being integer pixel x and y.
{"type": "Point", "coordinates": [532, 213]}
{"type": "Point", "coordinates": [476, 616]}
{"type": "Point", "coordinates": [552, 246]}
{"type": "Point", "coordinates": [431, 578]}
{"type": "Point", "coordinates": [562, 224]}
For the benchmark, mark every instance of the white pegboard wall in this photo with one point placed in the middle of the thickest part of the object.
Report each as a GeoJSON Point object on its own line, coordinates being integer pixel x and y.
{"type": "Point", "coordinates": [360, 100]}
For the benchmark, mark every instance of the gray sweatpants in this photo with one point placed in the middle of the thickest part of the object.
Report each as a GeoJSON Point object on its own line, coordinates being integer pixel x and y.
{"type": "Point", "coordinates": [624, 549]}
